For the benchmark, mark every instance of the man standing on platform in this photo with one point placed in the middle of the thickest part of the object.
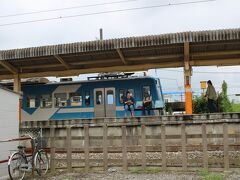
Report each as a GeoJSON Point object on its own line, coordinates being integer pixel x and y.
{"type": "Point", "coordinates": [211, 97]}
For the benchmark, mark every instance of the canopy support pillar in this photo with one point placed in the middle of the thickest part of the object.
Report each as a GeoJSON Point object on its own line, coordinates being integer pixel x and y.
{"type": "Point", "coordinates": [17, 83]}
{"type": "Point", "coordinates": [187, 79]}
{"type": "Point", "coordinates": [17, 88]}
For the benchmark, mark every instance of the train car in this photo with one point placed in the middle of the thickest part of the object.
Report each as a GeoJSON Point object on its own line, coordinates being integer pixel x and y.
{"type": "Point", "coordinates": [94, 98]}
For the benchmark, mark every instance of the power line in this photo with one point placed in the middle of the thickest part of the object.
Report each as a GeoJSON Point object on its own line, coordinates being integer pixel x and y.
{"type": "Point", "coordinates": [105, 12]}
{"type": "Point", "coordinates": [174, 79]}
{"type": "Point", "coordinates": [67, 8]}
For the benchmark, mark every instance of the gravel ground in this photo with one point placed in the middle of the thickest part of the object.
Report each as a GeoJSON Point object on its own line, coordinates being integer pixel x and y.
{"type": "Point", "coordinates": [114, 174]}
{"type": "Point", "coordinates": [123, 176]}
{"type": "Point", "coordinates": [119, 176]}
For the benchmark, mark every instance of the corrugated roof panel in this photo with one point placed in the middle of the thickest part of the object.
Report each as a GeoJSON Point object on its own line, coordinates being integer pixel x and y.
{"type": "Point", "coordinates": [106, 45]}
{"type": "Point", "coordinates": [98, 45]}
{"type": "Point", "coordinates": [185, 37]}
{"type": "Point", "coordinates": [87, 46]}
{"type": "Point", "coordinates": [228, 35]}
{"type": "Point", "coordinates": [152, 41]}
{"type": "Point", "coordinates": [91, 46]}
{"type": "Point", "coordinates": [69, 49]}
{"type": "Point", "coordinates": [235, 35]}
{"type": "Point", "coordinates": [131, 43]}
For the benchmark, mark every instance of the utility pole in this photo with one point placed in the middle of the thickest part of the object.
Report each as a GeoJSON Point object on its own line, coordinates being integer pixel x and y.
{"type": "Point", "coordinates": [101, 34]}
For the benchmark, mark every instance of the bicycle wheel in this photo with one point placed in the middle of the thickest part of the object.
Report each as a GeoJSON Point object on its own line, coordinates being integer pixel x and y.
{"type": "Point", "coordinates": [41, 162]}
{"type": "Point", "coordinates": [16, 161]}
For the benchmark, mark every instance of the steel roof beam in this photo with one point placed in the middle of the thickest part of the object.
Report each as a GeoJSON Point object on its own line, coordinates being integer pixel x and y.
{"type": "Point", "coordinates": [76, 72]}
{"type": "Point", "coordinates": [216, 53]}
{"type": "Point", "coordinates": [215, 62]}
{"type": "Point", "coordinates": [148, 58]}
{"type": "Point", "coordinates": [9, 67]}
{"type": "Point", "coordinates": [112, 60]}
{"type": "Point", "coordinates": [200, 62]}
{"type": "Point", "coordinates": [122, 56]}
{"type": "Point", "coordinates": [61, 60]}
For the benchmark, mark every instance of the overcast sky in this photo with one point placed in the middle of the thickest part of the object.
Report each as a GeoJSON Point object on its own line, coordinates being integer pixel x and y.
{"type": "Point", "coordinates": [219, 14]}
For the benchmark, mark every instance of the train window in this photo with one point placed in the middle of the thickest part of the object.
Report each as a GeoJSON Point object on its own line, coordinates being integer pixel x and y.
{"type": "Point", "coordinates": [31, 101]}
{"type": "Point", "coordinates": [146, 89]}
{"type": "Point", "coordinates": [60, 99]}
{"type": "Point", "coordinates": [87, 98]}
{"type": "Point", "coordinates": [99, 97]}
{"type": "Point", "coordinates": [75, 99]}
{"type": "Point", "coordinates": [46, 101]}
{"type": "Point", "coordinates": [122, 94]}
{"type": "Point", "coordinates": [110, 98]}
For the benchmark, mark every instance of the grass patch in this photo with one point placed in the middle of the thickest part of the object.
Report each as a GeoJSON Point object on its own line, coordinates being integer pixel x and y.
{"type": "Point", "coordinates": [206, 175]}
{"type": "Point", "coordinates": [148, 170]}
{"type": "Point", "coordinates": [236, 107]}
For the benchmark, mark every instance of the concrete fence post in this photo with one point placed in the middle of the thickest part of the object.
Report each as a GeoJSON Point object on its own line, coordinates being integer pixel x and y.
{"type": "Point", "coordinates": [226, 147]}
{"type": "Point", "coordinates": [184, 152]}
{"type": "Point", "coordinates": [124, 148]}
{"type": "Point", "coordinates": [86, 147]}
{"type": "Point", "coordinates": [204, 144]}
{"type": "Point", "coordinates": [163, 147]}
{"type": "Point", "coordinates": [52, 149]}
{"type": "Point", "coordinates": [105, 148]}
{"type": "Point", "coordinates": [143, 143]}
{"type": "Point", "coordinates": [69, 149]}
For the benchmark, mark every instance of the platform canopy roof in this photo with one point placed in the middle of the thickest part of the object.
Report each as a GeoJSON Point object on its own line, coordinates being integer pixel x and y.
{"type": "Point", "coordinates": [206, 48]}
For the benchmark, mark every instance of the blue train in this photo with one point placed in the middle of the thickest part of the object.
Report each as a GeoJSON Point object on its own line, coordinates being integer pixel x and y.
{"type": "Point", "coordinates": [100, 96]}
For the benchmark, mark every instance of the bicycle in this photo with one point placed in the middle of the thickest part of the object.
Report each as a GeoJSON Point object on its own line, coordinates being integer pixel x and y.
{"type": "Point", "coordinates": [19, 162]}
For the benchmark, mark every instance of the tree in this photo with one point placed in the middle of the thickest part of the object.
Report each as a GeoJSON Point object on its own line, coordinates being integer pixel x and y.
{"type": "Point", "coordinates": [224, 102]}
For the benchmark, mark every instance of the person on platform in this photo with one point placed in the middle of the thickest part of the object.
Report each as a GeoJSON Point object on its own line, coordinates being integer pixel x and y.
{"type": "Point", "coordinates": [147, 103]}
{"type": "Point", "coordinates": [211, 97]}
{"type": "Point", "coordinates": [129, 104]}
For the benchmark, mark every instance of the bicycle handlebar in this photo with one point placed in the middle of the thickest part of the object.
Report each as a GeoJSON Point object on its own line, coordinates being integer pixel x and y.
{"type": "Point", "coordinates": [32, 137]}
{"type": "Point", "coordinates": [28, 135]}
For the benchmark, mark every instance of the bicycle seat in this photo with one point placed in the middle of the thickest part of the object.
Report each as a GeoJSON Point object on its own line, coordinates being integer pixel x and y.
{"type": "Point", "coordinates": [21, 147]}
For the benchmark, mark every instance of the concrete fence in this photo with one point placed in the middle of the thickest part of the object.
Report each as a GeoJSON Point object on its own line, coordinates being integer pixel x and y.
{"type": "Point", "coordinates": [168, 142]}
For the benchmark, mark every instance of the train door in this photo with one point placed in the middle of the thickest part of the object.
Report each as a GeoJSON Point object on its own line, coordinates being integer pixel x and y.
{"type": "Point", "coordinates": [110, 105]}
{"type": "Point", "coordinates": [104, 102]}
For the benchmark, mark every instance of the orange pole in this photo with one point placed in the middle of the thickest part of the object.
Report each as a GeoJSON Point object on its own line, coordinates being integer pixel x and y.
{"type": "Point", "coordinates": [187, 79]}
{"type": "Point", "coordinates": [188, 99]}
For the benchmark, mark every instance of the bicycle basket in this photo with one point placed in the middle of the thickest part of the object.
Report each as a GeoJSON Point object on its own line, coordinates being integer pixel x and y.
{"type": "Point", "coordinates": [40, 142]}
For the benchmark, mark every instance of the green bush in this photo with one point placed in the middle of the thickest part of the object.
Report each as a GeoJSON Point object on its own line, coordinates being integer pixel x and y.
{"type": "Point", "coordinates": [199, 105]}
